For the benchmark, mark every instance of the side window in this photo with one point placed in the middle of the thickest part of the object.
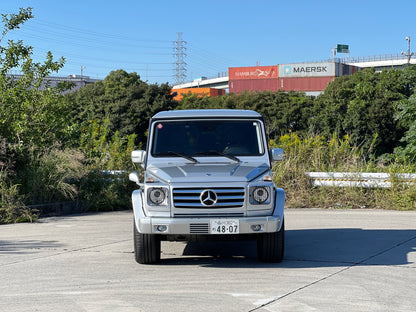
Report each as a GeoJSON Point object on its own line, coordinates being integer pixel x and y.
{"type": "Point", "coordinates": [258, 138]}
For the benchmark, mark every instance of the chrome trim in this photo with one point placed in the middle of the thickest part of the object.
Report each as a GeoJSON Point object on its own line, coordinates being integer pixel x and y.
{"type": "Point", "coordinates": [200, 198]}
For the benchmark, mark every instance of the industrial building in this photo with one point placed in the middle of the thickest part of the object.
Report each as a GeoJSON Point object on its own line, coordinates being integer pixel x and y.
{"type": "Point", "coordinates": [77, 81]}
{"type": "Point", "coordinates": [311, 78]}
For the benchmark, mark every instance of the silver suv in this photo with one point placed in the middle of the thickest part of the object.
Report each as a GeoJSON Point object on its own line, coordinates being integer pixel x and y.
{"type": "Point", "coordinates": [207, 175]}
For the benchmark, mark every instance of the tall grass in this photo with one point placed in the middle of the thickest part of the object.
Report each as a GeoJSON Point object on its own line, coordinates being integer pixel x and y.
{"type": "Point", "coordinates": [314, 153]}
{"type": "Point", "coordinates": [56, 175]}
{"type": "Point", "coordinates": [12, 207]}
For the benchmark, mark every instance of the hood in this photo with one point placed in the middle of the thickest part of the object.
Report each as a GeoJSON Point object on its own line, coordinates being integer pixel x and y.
{"type": "Point", "coordinates": [193, 173]}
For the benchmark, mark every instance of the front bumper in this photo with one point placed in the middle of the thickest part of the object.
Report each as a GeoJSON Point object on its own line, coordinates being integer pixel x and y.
{"type": "Point", "coordinates": [195, 225]}
{"type": "Point", "coordinates": [188, 226]}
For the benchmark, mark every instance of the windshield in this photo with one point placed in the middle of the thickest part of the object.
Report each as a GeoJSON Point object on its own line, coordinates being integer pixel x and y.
{"type": "Point", "coordinates": [207, 138]}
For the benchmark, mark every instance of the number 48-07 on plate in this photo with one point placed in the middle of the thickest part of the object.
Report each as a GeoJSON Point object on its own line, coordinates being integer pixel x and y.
{"type": "Point", "coordinates": [224, 226]}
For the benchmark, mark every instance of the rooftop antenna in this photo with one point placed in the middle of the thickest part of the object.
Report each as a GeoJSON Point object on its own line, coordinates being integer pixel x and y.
{"type": "Point", "coordinates": [180, 65]}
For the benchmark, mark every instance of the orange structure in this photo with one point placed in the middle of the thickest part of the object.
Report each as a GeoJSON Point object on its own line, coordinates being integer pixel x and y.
{"type": "Point", "coordinates": [198, 91]}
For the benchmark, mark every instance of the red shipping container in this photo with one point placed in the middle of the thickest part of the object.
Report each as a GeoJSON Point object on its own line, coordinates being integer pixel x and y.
{"type": "Point", "coordinates": [304, 84]}
{"type": "Point", "coordinates": [238, 86]}
{"type": "Point", "coordinates": [253, 72]}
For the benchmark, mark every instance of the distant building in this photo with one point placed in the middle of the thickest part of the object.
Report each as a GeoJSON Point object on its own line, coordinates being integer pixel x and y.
{"type": "Point", "coordinates": [78, 81]}
{"type": "Point", "coordinates": [309, 77]}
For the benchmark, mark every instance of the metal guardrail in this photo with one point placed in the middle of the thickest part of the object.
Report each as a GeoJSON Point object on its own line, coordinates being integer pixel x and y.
{"type": "Point", "coordinates": [360, 179]}
{"type": "Point", "coordinates": [375, 58]}
{"type": "Point", "coordinates": [360, 59]}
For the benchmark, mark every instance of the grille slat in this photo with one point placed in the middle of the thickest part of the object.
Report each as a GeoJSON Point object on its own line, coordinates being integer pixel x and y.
{"type": "Point", "coordinates": [199, 205]}
{"type": "Point", "coordinates": [226, 198]}
{"type": "Point", "coordinates": [187, 198]}
{"type": "Point", "coordinates": [199, 228]}
{"type": "Point", "coordinates": [199, 190]}
{"type": "Point", "coordinates": [210, 215]}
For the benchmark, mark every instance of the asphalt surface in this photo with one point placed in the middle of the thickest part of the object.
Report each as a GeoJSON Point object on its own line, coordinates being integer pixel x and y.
{"type": "Point", "coordinates": [336, 260]}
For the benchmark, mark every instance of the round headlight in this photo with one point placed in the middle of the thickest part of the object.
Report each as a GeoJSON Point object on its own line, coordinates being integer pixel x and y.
{"type": "Point", "coordinates": [157, 196]}
{"type": "Point", "coordinates": [260, 194]}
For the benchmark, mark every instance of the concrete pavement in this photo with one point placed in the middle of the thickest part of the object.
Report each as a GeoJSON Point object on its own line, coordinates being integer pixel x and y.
{"type": "Point", "coordinates": [336, 260]}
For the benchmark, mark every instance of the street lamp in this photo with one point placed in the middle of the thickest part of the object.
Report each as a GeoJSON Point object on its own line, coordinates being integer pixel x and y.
{"type": "Point", "coordinates": [83, 67]}
{"type": "Point", "coordinates": [409, 55]}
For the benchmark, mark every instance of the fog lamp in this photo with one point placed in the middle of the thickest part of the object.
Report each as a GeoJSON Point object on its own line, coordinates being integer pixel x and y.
{"type": "Point", "coordinates": [256, 227]}
{"type": "Point", "coordinates": [161, 228]}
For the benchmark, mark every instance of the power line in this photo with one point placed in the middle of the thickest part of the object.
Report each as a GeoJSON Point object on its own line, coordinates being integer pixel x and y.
{"type": "Point", "coordinates": [83, 47]}
{"type": "Point", "coordinates": [72, 29]}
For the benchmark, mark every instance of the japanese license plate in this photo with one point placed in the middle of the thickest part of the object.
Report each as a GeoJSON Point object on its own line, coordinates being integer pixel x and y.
{"type": "Point", "coordinates": [224, 226]}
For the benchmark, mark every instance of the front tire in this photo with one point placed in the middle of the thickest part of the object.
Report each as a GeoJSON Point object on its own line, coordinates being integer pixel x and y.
{"type": "Point", "coordinates": [146, 247]}
{"type": "Point", "coordinates": [271, 246]}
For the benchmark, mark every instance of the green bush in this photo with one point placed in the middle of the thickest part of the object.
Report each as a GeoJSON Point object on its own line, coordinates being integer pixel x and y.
{"type": "Point", "coordinates": [52, 176]}
{"type": "Point", "coordinates": [101, 192]}
{"type": "Point", "coordinates": [12, 207]}
{"type": "Point", "coordinates": [314, 153]}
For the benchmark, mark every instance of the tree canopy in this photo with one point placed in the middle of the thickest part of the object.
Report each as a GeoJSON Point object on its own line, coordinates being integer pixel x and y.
{"type": "Point", "coordinates": [363, 106]}
{"type": "Point", "coordinates": [32, 113]}
{"type": "Point", "coordinates": [123, 98]}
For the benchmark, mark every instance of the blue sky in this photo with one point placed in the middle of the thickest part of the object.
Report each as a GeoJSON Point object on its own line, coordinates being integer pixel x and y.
{"type": "Point", "coordinates": [138, 35]}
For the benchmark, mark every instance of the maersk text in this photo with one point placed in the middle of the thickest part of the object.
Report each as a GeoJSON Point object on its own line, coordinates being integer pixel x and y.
{"type": "Point", "coordinates": [310, 69]}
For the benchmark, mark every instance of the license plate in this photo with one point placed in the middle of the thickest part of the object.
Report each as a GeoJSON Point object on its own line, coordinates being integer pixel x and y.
{"type": "Point", "coordinates": [224, 226]}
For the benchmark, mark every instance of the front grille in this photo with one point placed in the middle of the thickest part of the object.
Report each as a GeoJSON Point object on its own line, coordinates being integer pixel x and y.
{"type": "Point", "coordinates": [229, 197]}
{"type": "Point", "coordinates": [199, 228]}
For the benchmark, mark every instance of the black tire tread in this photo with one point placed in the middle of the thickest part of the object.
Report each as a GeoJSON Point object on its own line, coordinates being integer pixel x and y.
{"type": "Point", "coordinates": [270, 246]}
{"type": "Point", "coordinates": [146, 247]}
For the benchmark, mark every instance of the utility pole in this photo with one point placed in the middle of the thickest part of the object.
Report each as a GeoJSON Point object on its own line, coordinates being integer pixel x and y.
{"type": "Point", "coordinates": [179, 54]}
{"type": "Point", "coordinates": [82, 71]}
{"type": "Point", "coordinates": [409, 55]}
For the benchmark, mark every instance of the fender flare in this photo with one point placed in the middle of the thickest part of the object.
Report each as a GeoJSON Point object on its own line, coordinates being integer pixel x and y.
{"type": "Point", "coordinates": [279, 205]}
{"type": "Point", "coordinates": [137, 202]}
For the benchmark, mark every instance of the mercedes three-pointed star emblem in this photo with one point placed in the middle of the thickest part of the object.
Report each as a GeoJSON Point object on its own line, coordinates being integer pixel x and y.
{"type": "Point", "coordinates": [208, 198]}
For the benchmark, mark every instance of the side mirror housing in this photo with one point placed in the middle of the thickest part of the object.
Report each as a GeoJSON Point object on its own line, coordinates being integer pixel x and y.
{"type": "Point", "coordinates": [138, 157]}
{"type": "Point", "coordinates": [134, 177]}
{"type": "Point", "coordinates": [276, 154]}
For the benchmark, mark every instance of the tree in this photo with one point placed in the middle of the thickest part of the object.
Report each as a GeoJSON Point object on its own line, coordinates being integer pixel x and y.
{"type": "Point", "coordinates": [31, 112]}
{"type": "Point", "coordinates": [362, 106]}
{"type": "Point", "coordinates": [406, 115]}
{"type": "Point", "coordinates": [284, 111]}
{"type": "Point", "coordinates": [33, 120]}
{"type": "Point", "coordinates": [123, 98]}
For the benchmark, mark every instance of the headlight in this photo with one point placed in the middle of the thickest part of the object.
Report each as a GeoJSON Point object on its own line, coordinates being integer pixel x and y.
{"type": "Point", "coordinates": [157, 196]}
{"type": "Point", "coordinates": [260, 194]}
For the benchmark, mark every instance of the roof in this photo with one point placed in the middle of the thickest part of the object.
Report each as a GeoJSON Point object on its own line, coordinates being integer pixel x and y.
{"type": "Point", "coordinates": [207, 113]}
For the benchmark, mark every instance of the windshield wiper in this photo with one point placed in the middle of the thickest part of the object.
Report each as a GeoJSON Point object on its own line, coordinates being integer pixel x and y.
{"type": "Point", "coordinates": [190, 158]}
{"type": "Point", "coordinates": [217, 153]}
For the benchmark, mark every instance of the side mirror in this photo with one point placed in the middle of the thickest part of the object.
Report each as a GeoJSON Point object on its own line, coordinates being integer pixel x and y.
{"type": "Point", "coordinates": [134, 177]}
{"type": "Point", "coordinates": [138, 156]}
{"type": "Point", "coordinates": [276, 154]}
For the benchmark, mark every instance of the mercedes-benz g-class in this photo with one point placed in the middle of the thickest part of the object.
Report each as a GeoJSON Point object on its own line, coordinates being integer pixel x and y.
{"type": "Point", "coordinates": [207, 175]}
